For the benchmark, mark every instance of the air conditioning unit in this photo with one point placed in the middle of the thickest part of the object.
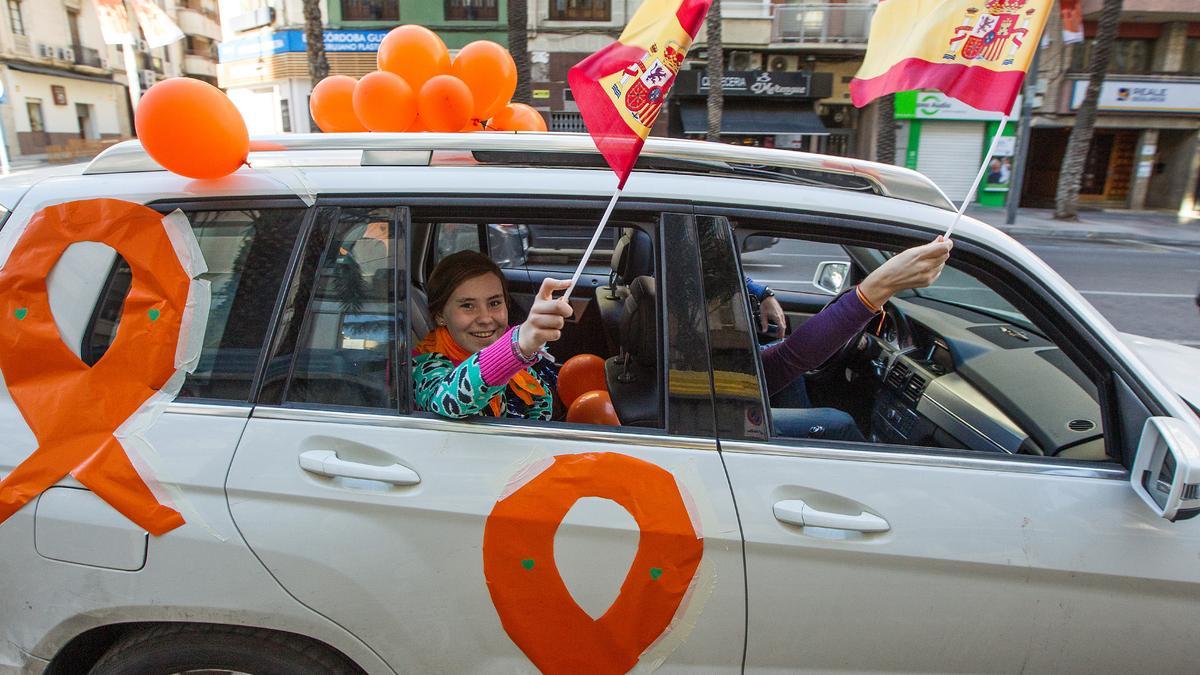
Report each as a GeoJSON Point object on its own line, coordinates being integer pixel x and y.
{"type": "Point", "coordinates": [66, 54]}
{"type": "Point", "coordinates": [148, 78]}
{"type": "Point", "coordinates": [45, 51]}
{"type": "Point", "coordinates": [783, 62]}
{"type": "Point", "coordinates": [743, 61]}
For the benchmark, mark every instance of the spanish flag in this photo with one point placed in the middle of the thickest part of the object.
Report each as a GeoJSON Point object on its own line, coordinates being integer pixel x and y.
{"type": "Point", "coordinates": [976, 51]}
{"type": "Point", "coordinates": [622, 88]}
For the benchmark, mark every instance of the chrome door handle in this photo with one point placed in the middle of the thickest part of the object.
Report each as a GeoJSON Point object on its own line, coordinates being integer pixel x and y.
{"type": "Point", "coordinates": [796, 512]}
{"type": "Point", "coordinates": [327, 463]}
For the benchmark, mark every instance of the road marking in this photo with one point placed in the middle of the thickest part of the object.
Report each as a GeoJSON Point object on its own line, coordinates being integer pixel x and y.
{"type": "Point", "coordinates": [1136, 294]}
{"type": "Point", "coordinates": [782, 281]}
{"type": "Point", "coordinates": [760, 265]}
{"type": "Point", "coordinates": [803, 255]}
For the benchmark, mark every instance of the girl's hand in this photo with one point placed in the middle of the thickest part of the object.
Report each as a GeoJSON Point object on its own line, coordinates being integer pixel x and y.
{"type": "Point", "coordinates": [916, 267]}
{"type": "Point", "coordinates": [546, 318]}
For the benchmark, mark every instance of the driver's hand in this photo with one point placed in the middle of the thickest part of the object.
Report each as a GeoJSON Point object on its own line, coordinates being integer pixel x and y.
{"type": "Point", "coordinates": [916, 267]}
{"type": "Point", "coordinates": [772, 312]}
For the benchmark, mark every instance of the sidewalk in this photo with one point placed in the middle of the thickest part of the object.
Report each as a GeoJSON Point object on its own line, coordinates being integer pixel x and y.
{"type": "Point", "coordinates": [1152, 227]}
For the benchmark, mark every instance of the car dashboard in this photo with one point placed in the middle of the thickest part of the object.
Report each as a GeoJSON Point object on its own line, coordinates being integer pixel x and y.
{"type": "Point", "coordinates": [951, 377]}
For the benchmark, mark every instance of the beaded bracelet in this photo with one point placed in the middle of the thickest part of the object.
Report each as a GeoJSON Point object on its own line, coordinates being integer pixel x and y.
{"type": "Point", "coordinates": [516, 348]}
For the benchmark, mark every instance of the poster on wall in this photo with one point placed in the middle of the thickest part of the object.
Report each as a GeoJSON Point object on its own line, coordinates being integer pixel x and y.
{"type": "Point", "coordinates": [1072, 21]}
{"type": "Point", "coordinates": [114, 22]}
{"type": "Point", "coordinates": [156, 25]}
{"type": "Point", "coordinates": [999, 171]}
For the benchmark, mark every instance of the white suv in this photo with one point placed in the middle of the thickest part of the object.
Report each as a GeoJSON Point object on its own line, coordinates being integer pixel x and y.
{"type": "Point", "coordinates": [1020, 503]}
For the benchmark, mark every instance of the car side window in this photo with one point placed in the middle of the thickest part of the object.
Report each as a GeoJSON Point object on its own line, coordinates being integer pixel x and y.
{"type": "Point", "coordinates": [788, 264]}
{"type": "Point", "coordinates": [247, 251]}
{"type": "Point", "coordinates": [949, 366]}
{"type": "Point", "coordinates": [347, 342]}
{"type": "Point", "coordinates": [538, 246]}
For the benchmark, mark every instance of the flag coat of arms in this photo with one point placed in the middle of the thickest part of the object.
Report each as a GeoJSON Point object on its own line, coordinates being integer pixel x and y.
{"type": "Point", "coordinates": [621, 89]}
{"type": "Point", "coordinates": [976, 51]}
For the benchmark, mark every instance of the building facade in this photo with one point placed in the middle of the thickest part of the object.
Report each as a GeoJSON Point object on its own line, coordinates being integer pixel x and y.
{"type": "Point", "coordinates": [1146, 150]}
{"type": "Point", "coordinates": [263, 59]}
{"type": "Point", "coordinates": [65, 90]}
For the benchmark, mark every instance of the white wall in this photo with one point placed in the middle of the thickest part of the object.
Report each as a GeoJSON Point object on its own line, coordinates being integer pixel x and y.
{"type": "Point", "coordinates": [104, 98]}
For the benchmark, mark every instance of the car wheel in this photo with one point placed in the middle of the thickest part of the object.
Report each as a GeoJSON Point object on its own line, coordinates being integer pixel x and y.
{"type": "Point", "coordinates": [212, 649]}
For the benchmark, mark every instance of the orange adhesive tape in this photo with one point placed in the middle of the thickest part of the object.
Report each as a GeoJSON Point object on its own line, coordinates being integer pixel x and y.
{"type": "Point", "coordinates": [72, 409]}
{"type": "Point", "coordinates": [534, 604]}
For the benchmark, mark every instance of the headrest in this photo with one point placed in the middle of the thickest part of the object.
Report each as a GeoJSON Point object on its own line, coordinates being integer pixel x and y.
{"type": "Point", "coordinates": [634, 257]}
{"type": "Point", "coordinates": [639, 328]}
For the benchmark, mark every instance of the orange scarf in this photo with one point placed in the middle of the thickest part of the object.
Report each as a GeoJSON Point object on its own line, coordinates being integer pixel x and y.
{"type": "Point", "coordinates": [523, 384]}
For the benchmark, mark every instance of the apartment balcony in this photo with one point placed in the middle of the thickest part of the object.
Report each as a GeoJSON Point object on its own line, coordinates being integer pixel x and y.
{"type": "Point", "coordinates": [821, 24]}
{"type": "Point", "coordinates": [1147, 10]}
{"type": "Point", "coordinates": [199, 64]}
{"type": "Point", "coordinates": [196, 21]}
{"type": "Point", "coordinates": [86, 56]}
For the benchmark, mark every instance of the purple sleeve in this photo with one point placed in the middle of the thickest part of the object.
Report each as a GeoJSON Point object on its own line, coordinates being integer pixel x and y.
{"type": "Point", "coordinates": [814, 341]}
{"type": "Point", "coordinates": [498, 363]}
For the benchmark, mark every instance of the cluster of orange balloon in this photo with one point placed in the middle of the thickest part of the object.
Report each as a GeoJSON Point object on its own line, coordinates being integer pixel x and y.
{"type": "Point", "coordinates": [583, 389]}
{"type": "Point", "coordinates": [418, 88]}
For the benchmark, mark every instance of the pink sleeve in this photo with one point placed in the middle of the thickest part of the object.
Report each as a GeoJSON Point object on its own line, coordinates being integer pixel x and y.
{"type": "Point", "coordinates": [498, 363]}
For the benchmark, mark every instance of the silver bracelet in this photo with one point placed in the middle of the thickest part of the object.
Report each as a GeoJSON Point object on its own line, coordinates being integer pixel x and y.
{"type": "Point", "coordinates": [516, 348]}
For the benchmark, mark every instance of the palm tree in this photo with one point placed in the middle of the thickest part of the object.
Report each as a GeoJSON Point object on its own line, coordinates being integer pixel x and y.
{"type": "Point", "coordinates": [1070, 177]}
{"type": "Point", "coordinates": [314, 36]}
{"type": "Point", "coordinates": [518, 45]}
{"type": "Point", "coordinates": [716, 68]}
{"type": "Point", "coordinates": [885, 130]}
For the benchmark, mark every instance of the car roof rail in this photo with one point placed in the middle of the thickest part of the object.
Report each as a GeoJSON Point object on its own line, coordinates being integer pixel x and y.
{"type": "Point", "coordinates": [564, 150]}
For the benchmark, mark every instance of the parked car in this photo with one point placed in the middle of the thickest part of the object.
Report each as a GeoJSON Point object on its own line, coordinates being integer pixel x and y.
{"type": "Point", "coordinates": [1022, 502]}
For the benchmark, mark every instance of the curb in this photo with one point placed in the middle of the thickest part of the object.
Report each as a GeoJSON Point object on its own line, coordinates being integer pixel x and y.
{"type": "Point", "coordinates": [1122, 237]}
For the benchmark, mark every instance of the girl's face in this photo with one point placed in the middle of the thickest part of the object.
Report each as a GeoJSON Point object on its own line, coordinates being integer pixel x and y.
{"type": "Point", "coordinates": [476, 314]}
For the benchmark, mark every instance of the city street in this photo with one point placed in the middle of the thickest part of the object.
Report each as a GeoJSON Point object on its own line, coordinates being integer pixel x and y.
{"type": "Point", "coordinates": [1143, 288]}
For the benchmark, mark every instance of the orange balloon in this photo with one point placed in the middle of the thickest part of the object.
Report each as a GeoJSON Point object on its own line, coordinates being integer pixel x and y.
{"type": "Point", "coordinates": [414, 53]}
{"type": "Point", "coordinates": [383, 101]}
{"type": "Point", "coordinates": [580, 374]}
{"type": "Point", "coordinates": [417, 125]}
{"type": "Point", "coordinates": [332, 105]}
{"type": "Point", "coordinates": [517, 117]}
{"type": "Point", "coordinates": [490, 73]}
{"type": "Point", "coordinates": [593, 407]}
{"type": "Point", "coordinates": [191, 128]}
{"type": "Point", "coordinates": [445, 103]}
{"type": "Point", "coordinates": [472, 125]}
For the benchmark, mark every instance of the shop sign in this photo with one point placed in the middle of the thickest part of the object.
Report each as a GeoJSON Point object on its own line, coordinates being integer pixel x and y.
{"type": "Point", "coordinates": [59, 93]}
{"type": "Point", "coordinates": [934, 105]}
{"type": "Point", "coordinates": [541, 93]}
{"type": "Point", "coordinates": [285, 41]}
{"type": "Point", "coordinates": [1142, 96]}
{"type": "Point", "coordinates": [759, 84]}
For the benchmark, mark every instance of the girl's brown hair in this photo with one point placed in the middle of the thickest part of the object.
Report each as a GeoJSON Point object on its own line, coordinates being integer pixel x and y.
{"type": "Point", "coordinates": [455, 269]}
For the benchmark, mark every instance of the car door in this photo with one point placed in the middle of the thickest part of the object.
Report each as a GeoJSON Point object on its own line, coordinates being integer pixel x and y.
{"type": "Point", "coordinates": [890, 557]}
{"type": "Point", "coordinates": [382, 519]}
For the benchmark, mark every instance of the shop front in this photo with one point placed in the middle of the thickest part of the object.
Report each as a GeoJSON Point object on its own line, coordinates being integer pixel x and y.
{"type": "Point", "coordinates": [945, 139]}
{"type": "Point", "coordinates": [761, 109]}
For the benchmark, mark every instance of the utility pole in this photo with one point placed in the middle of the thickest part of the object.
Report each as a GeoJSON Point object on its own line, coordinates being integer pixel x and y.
{"type": "Point", "coordinates": [1017, 180]}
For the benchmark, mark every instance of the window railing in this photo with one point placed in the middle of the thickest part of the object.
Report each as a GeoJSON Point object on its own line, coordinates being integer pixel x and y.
{"type": "Point", "coordinates": [850, 23]}
{"type": "Point", "coordinates": [580, 10]}
{"type": "Point", "coordinates": [471, 10]}
{"type": "Point", "coordinates": [86, 56]}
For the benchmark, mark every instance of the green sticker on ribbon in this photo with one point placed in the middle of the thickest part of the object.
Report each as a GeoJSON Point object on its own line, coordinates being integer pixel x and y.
{"type": "Point", "coordinates": [21, 313]}
{"type": "Point", "coordinates": [527, 563]}
{"type": "Point", "coordinates": [154, 314]}
{"type": "Point", "coordinates": [655, 573]}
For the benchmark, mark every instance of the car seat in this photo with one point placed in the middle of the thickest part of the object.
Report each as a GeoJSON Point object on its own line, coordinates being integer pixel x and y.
{"type": "Point", "coordinates": [632, 375]}
{"type": "Point", "coordinates": [633, 257]}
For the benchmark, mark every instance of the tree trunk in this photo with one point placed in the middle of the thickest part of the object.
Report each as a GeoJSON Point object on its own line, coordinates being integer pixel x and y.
{"type": "Point", "coordinates": [1070, 177]}
{"type": "Point", "coordinates": [518, 45]}
{"type": "Point", "coordinates": [885, 129]}
{"type": "Point", "coordinates": [716, 68]}
{"type": "Point", "coordinates": [314, 36]}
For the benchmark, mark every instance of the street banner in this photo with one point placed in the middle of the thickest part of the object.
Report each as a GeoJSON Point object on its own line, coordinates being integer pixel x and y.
{"type": "Point", "coordinates": [158, 28]}
{"type": "Point", "coordinates": [974, 50]}
{"type": "Point", "coordinates": [1072, 21]}
{"type": "Point", "coordinates": [622, 88]}
{"type": "Point", "coordinates": [114, 22]}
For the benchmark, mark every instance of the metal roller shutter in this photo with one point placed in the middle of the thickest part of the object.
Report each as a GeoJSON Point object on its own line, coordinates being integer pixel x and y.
{"type": "Point", "coordinates": [949, 154]}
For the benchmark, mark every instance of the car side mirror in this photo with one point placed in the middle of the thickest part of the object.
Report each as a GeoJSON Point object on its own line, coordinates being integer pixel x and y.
{"type": "Point", "coordinates": [831, 276]}
{"type": "Point", "coordinates": [1166, 469]}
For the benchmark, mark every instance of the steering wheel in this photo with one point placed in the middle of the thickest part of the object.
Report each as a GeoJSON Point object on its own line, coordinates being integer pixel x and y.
{"type": "Point", "coordinates": [857, 342]}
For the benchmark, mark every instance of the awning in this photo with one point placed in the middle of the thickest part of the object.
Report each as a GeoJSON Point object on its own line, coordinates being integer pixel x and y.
{"type": "Point", "coordinates": [56, 72]}
{"type": "Point", "coordinates": [752, 119]}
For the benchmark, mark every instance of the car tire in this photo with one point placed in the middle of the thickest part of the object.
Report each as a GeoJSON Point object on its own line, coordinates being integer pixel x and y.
{"type": "Point", "coordinates": [165, 649]}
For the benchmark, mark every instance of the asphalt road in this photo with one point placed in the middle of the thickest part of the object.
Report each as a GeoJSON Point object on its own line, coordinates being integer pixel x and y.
{"type": "Point", "coordinates": [1144, 289]}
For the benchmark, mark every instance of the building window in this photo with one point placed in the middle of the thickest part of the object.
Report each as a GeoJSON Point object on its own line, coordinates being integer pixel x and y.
{"type": "Point", "coordinates": [471, 10]}
{"type": "Point", "coordinates": [580, 10]}
{"type": "Point", "coordinates": [285, 113]}
{"type": "Point", "coordinates": [37, 122]}
{"type": "Point", "coordinates": [1191, 56]}
{"type": "Point", "coordinates": [14, 17]}
{"type": "Point", "coordinates": [370, 10]}
{"type": "Point", "coordinates": [1129, 56]}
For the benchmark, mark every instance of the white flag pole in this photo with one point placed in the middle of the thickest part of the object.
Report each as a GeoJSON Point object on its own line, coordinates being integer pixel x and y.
{"type": "Point", "coordinates": [979, 176]}
{"type": "Point", "coordinates": [592, 244]}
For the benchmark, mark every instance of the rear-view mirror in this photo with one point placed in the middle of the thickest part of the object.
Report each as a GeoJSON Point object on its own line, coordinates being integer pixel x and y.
{"type": "Point", "coordinates": [831, 276]}
{"type": "Point", "coordinates": [1166, 469]}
